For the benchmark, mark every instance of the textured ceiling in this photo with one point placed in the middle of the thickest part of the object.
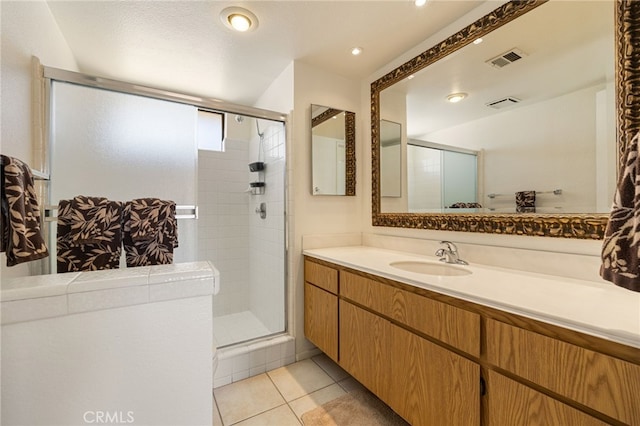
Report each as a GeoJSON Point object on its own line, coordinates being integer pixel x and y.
{"type": "Point", "coordinates": [184, 46]}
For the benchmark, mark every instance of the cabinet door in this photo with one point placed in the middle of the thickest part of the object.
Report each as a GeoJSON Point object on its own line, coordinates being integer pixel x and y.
{"type": "Point", "coordinates": [446, 323]}
{"type": "Point", "coordinates": [364, 348]}
{"type": "Point", "coordinates": [431, 385]}
{"type": "Point", "coordinates": [508, 402]}
{"type": "Point", "coordinates": [321, 319]}
{"type": "Point", "coordinates": [595, 380]}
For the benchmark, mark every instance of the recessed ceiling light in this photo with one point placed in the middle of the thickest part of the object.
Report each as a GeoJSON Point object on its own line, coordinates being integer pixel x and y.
{"type": "Point", "coordinates": [239, 19]}
{"type": "Point", "coordinates": [356, 51]}
{"type": "Point", "coordinates": [420, 2]}
{"type": "Point", "coordinates": [478, 40]}
{"type": "Point", "coordinates": [456, 97]}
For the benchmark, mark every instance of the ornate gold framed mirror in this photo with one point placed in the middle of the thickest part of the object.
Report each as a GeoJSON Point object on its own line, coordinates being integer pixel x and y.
{"type": "Point", "coordinates": [333, 151]}
{"type": "Point", "coordinates": [625, 96]}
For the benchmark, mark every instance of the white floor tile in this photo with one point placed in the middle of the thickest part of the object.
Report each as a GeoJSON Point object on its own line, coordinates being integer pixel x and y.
{"type": "Point", "coordinates": [281, 416]}
{"type": "Point", "coordinates": [316, 399]}
{"type": "Point", "coordinates": [280, 397]}
{"type": "Point", "coordinates": [242, 400]}
{"type": "Point", "coordinates": [299, 379]}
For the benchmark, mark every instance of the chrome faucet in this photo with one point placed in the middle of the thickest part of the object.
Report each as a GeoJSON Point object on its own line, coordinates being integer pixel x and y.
{"type": "Point", "coordinates": [450, 254]}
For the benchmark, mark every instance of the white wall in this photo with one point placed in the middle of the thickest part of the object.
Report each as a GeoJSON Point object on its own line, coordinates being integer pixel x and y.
{"type": "Point", "coordinates": [279, 95]}
{"type": "Point", "coordinates": [148, 364]}
{"type": "Point", "coordinates": [27, 29]}
{"type": "Point", "coordinates": [320, 213]}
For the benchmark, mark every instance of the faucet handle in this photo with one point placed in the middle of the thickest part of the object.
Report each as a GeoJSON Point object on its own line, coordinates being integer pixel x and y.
{"type": "Point", "coordinates": [450, 254]}
{"type": "Point", "coordinates": [450, 246]}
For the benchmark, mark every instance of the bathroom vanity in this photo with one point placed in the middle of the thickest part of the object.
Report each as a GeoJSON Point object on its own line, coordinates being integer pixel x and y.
{"type": "Point", "coordinates": [491, 346]}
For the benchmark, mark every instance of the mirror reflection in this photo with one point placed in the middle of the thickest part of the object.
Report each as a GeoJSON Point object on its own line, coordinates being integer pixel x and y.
{"type": "Point", "coordinates": [440, 177]}
{"type": "Point", "coordinates": [332, 151]}
{"type": "Point", "coordinates": [535, 120]}
{"type": "Point", "coordinates": [391, 158]}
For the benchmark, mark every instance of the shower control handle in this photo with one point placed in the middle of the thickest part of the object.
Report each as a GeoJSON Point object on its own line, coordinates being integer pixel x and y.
{"type": "Point", "coordinates": [262, 210]}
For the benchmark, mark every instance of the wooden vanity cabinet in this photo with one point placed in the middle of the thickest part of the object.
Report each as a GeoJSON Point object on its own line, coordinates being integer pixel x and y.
{"type": "Point", "coordinates": [508, 402]}
{"type": "Point", "coordinates": [448, 324]}
{"type": "Point", "coordinates": [431, 385]}
{"type": "Point", "coordinates": [364, 348]}
{"type": "Point", "coordinates": [321, 307]}
{"type": "Point", "coordinates": [420, 380]}
{"type": "Point", "coordinates": [424, 382]}
{"type": "Point", "coordinates": [600, 382]}
{"type": "Point", "coordinates": [424, 354]}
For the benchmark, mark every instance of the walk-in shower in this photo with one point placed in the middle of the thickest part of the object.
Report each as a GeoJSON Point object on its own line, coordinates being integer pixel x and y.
{"type": "Point", "coordinates": [121, 141]}
{"type": "Point", "coordinates": [247, 248]}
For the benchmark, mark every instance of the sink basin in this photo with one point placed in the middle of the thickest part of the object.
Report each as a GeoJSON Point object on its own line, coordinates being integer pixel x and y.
{"type": "Point", "coordinates": [430, 268]}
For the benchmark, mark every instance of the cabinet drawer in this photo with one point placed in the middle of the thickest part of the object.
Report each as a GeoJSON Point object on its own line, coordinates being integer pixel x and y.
{"type": "Point", "coordinates": [606, 384]}
{"type": "Point", "coordinates": [322, 276]}
{"type": "Point", "coordinates": [511, 403]}
{"type": "Point", "coordinates": [449, 324]}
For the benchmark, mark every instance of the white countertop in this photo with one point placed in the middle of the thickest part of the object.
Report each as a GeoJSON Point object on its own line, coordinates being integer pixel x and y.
{"type": "Point", "coordinates": [598, 309]}
{"type": "Point", "coordinates": [45, 296]}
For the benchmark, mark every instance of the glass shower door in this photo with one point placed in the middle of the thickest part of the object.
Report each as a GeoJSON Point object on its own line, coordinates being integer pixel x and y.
{"type": "Point", "coordinates": [122, 146]}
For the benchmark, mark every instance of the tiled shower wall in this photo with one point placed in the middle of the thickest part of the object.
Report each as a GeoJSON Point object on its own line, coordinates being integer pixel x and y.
{"type": "Point", "coordinates": [223, 231]}
{"type": "Point", "coordinates": [247, 250]}
{"type": "Point", "coordinates": [266, 236]}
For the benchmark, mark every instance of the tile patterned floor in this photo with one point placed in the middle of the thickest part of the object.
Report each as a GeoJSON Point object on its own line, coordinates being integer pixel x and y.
{"type": "Point", "coordinates": [280, 397]}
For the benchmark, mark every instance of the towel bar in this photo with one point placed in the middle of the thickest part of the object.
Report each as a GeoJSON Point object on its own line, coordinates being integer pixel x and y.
{"type": "Point", "coordinates": [182, 212]}
{"type": "Point", "coordinates": [554, 192]}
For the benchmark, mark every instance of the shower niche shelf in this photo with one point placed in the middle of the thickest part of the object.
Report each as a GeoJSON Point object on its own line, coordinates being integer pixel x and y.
{"type": "Point", "coordinates": [258, 166]}
{"type": "Point", "coordinates": [258, 187]}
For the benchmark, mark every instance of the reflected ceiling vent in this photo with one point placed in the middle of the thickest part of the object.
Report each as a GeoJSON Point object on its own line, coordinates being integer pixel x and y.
{"type": "Point", "coordinates": [506, 58]}
{"type": "Point", "coordinates": [503, 103]}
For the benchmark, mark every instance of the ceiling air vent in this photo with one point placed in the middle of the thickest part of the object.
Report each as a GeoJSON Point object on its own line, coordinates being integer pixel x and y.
{"type": "Point", "coordinates": [506, 58]}
{"type": "Point", "coordinates": [503, 103]}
